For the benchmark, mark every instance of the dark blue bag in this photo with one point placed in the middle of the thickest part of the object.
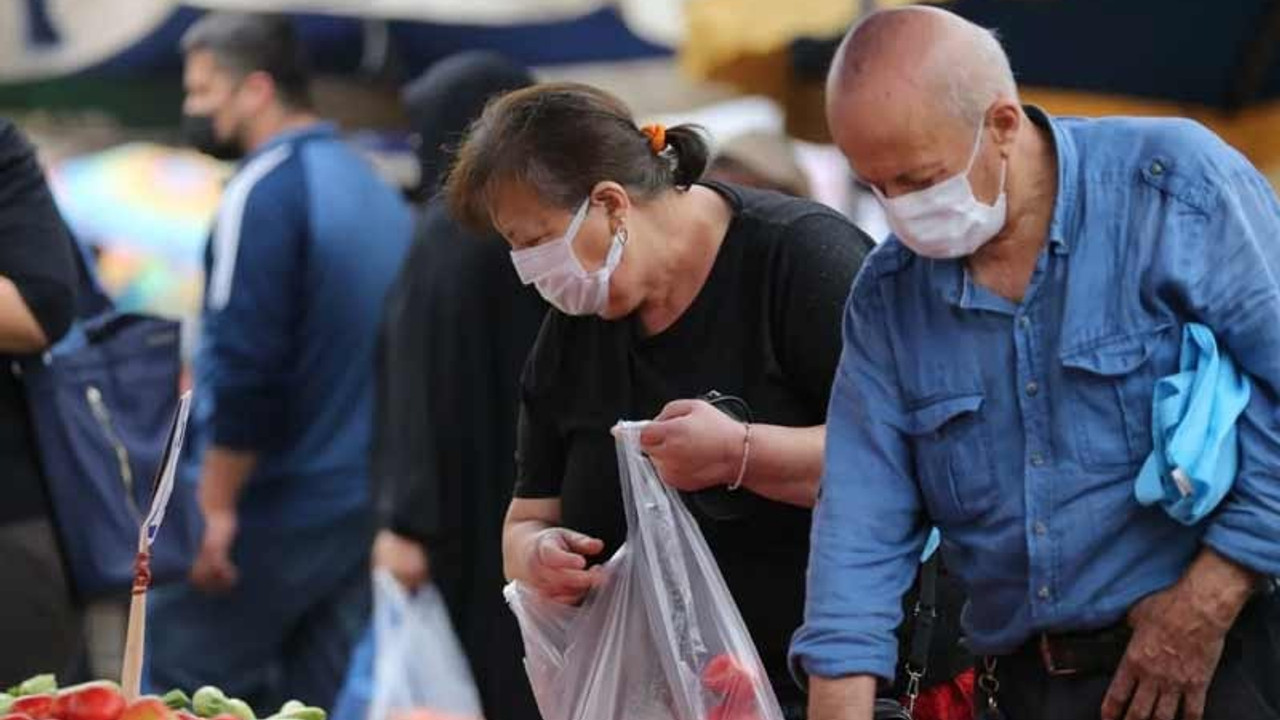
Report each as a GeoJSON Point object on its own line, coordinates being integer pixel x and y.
{"type": "Point", "coordinates": [101, 402]}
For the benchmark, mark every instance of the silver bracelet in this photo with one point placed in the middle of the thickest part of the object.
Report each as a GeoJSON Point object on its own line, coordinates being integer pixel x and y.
{"type": "Point", "coordinates": [746, 454]}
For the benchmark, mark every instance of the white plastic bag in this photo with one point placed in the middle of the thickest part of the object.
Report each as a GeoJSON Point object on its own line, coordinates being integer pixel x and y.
{"type": "Point", "coordinates": [659, 638]}
{"type": "Point", "coordinates": [419, 668]}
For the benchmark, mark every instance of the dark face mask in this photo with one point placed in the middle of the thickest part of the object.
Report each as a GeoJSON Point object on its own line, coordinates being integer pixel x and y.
{"type": "Point", "coordinates": [198, 132]}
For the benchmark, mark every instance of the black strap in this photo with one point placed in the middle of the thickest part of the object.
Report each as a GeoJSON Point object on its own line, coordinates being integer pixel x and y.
{"type": "Point", "coordinates": [926, 616]}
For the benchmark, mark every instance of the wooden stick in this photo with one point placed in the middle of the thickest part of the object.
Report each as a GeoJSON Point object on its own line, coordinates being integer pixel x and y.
{"type": "Point", "coordinates": [135, 640]}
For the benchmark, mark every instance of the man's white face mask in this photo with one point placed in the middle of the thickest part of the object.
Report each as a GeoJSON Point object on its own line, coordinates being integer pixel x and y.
{"type": "Point", "coordinates": [559, 276]}
{"type": "Point", "coordinates": [946, 221]}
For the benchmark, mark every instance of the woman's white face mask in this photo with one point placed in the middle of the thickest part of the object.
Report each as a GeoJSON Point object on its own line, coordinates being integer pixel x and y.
{"type": "Point", "coordinates": [946, 220]}
{"type": "Point", "coordinates": [559, 276]}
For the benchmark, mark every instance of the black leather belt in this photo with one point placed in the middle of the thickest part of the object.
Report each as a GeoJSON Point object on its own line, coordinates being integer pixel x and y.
{"type": "Point", "coordinates": [1096, 652]}
{"type": "Point", "coordinates": [1099, 652]}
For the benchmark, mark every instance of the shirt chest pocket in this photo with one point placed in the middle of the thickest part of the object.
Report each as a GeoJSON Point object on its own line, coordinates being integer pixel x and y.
{"type": "Point", "coordinates": [1108, 399]}
{"type": "Point", "coordinates": [952, 451]}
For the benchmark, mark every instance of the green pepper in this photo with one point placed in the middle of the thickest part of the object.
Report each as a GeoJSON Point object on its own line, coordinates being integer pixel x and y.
{"type": "Point", "coordinates": [38, 685]}
{"type": "Point", "coordinates": [291, 707]}
{"type": "Point", "coordinates": [209, 701]}
{"type": "Point", "coordinates": [6, 701]}
{"type": "Point", "coordinates": [240, 709]}
{"type": "Point", "coordinates": [177, 700]}
{"type": "Point", "coordinates": [308, 713]}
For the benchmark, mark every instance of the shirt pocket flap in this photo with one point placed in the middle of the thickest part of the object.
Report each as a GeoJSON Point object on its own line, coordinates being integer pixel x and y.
{"type": "Point", "coordinates": [1114, 356]}
{"type": "Point", "coordinates": [937, 413]}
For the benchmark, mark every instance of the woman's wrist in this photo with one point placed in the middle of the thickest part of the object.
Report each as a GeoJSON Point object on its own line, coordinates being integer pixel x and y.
{"type": "Point", "coordinates": [739, 459]}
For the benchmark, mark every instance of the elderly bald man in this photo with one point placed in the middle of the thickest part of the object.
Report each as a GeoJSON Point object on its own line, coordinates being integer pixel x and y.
{"type": "Point", "coordinates": [1001, 351]}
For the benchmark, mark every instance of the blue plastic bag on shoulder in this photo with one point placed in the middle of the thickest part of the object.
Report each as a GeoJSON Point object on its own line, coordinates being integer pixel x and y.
{"type": "Point", "coordinates": [1195, 446]}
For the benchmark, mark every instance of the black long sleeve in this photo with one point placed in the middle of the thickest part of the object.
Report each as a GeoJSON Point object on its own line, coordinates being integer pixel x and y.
{"type": "Point", "coordinates": [35, 251]}
{"type": "Point", "coordinates": [36, 255]}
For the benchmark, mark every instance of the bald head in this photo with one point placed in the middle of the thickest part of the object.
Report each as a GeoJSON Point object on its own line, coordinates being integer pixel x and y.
{"type": "Point", "coordinates": [926, 56]}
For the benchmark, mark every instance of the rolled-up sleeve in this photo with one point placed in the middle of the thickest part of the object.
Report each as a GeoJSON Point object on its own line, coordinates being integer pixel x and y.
{"type": "Point", "coordinates": [868, 529]}
{"type": "Point", "coordinates": [1231, 285]}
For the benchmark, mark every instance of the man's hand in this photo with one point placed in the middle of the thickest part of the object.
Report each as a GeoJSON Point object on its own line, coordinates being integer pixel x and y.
{"type": "Point", "coordinates": [1178, 635]}
{"type": "Point", "coordinates": [846, 698]}
{"type": "Point", "coordinates": [405, 559]}
{"type": "Point", "coordinates": [694, 446]}
{"type": "Point", "coordinates": [213, 571]}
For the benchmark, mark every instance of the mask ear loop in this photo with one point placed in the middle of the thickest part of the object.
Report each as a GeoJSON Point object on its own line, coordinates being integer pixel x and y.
{"type": "Point", "coordinates": [973, 157]}
{"type": "Point", "coordinates": [977, 145]}
{"type": "Point", "coordinates": [578, 218]}
{"type": "Point", "coordinates": [620, 237]}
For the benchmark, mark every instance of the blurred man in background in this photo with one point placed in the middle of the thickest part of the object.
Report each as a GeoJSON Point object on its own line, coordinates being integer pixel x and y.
{"type": "Point", "coordinates": [305, 244]}
{"type": "Point", "coordinates": [458, 326]}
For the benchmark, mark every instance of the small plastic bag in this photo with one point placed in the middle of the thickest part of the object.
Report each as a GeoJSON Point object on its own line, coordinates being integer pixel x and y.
{"type": "Point", "coordinates": [659, 638]}
{"type": "Point", "coordinates": [419, 668]}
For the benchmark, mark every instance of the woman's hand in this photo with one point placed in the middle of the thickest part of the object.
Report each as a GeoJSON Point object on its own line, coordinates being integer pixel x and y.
{"type": "Point", "coordinates": [694, 446]}
{"type": "Point", "coordinates": [556, 564]}
{"type": "Point", "coordinates": [405, 558]}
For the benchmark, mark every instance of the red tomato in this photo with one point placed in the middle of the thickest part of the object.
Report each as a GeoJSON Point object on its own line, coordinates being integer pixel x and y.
{"type": "Point", "coordinates": [99, 702]}
{"type": "Point", "coordinates": [37, 707]}
{"type": "Point", "coordinates": [147, 708]}
{"type": "Point", "coordinates": [725, 675]}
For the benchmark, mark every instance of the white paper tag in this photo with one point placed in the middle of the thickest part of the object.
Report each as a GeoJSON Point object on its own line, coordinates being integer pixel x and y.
{"type": "Point", "coordinates": [1182, 481]}
{"type": "Point", "coordinates": [168, 470]}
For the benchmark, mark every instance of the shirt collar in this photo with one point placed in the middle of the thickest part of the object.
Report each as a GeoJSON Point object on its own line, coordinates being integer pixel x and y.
{"type": "Point", "coordinates": [949, 277]}
{"type": "Point", "coordinates": [298, 134]}
{"type": "Point", "coordinates": [1062, 224]}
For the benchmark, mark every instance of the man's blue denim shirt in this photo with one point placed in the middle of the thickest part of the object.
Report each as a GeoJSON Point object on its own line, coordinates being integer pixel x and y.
{"type": "Point", "coordinates": [1019, 428]}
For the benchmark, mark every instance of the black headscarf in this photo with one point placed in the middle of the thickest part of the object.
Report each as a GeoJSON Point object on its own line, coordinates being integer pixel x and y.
{"type": "Point", "coordinates": [444, 101]}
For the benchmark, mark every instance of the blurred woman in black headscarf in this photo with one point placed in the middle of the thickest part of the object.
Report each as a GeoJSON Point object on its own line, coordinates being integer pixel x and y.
{"type": "Point", "coordinates": [457, 328]}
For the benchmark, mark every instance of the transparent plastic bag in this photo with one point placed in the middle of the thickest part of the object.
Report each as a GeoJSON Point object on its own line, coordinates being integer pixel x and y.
{"type": "Point", "coordinates": [419, 669]}
{"type": "Point", "coordinates": [659, 638]}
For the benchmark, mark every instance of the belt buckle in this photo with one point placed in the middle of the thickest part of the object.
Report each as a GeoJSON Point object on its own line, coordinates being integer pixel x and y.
{"type": "Point", "coordinates": [1050, 665]}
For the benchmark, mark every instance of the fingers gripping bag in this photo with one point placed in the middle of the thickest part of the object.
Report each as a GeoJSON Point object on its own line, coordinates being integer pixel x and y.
{"type": "Point", "coordinates": [659, 638]}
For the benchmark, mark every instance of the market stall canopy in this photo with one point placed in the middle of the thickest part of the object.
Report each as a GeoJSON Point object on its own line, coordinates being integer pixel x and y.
{"type": "Point", "coordinates": [70, 54]}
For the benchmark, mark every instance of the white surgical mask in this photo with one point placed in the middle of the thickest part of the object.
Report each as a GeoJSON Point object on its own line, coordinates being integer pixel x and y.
{"type": "Point", "coordinates": [946, 221]}
{"type": "Point", "coordinates": [560, 277]}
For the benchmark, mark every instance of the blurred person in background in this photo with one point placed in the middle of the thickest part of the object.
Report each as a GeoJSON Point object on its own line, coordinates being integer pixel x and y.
{"type": "Point", "coordinates": [457, 329]}
{"type": "Point", "coordinates": [760, 159]}
{"type": "Point", "coordinates": [39, 620]}
{"type": "Point", "coordinates": [305, 244]}
{"type": "Point", "coordinates": [665, 288]}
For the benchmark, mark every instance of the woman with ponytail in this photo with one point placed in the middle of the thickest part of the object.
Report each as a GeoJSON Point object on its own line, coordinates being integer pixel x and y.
{"type": "Point", "coordinates": [666, 292]}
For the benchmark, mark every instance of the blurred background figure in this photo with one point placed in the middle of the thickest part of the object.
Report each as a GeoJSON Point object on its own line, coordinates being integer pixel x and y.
{"type": "Point", "coordinates": [457, 328]}
{"type": "Point", "coordinates": [759, 159]}
{"type": "Point", "coordinates": [306, 242]}
{"type": "Point", "coordinates": [39, 620]}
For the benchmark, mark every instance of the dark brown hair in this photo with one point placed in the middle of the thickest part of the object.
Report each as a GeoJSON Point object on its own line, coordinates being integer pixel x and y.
{"type": "Point", "coordinates": [244, 43]}
{"type": "Point", "coordinates": [562, 139]}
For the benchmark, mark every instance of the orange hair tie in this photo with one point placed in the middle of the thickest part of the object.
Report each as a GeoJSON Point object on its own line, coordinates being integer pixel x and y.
{"type": "Point", "coordinates": [657, 135]}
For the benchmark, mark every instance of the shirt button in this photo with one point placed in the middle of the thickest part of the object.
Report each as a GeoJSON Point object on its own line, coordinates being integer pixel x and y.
{"type": "Point", "coordinates": [1041, 529]}
{"type": "Point", "coordinates": [1033, 388]}
{"type": "Point", "coordinates": [1044, 592]}
{"type": "Point", "coordinates": [1024, 322]}
{"type": "Point", "coordinates": [1037, 460]}
{"type": "Point", "coordinates": [1157, 167]}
